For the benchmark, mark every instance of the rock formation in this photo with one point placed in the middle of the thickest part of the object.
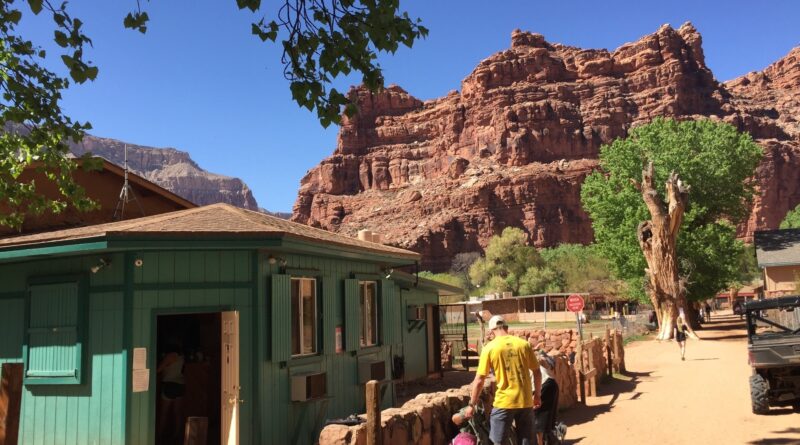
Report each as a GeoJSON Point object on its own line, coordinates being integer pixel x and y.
{"type": "Point", "coordinates": [514, 145]}
{"type": "Point", "coordinates": [174, 170]}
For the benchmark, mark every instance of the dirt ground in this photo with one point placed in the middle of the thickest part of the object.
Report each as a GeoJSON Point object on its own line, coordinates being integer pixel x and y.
{"type": "Point", "coordinates": [663, 400]}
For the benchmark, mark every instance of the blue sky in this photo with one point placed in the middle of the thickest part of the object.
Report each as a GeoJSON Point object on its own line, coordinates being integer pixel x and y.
{"type": "Point", "coordinates": [200, 82]}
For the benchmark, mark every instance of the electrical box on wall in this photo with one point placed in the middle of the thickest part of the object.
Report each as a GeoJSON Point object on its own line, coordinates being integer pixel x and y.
{"type": "Point", "coordinates": [309, 386]}
{"type": "Point", "coordinates": [371, 370]}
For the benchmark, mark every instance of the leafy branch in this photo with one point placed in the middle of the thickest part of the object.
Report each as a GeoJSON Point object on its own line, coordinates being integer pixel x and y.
{"type": "Point", "coordinates": [323, 39]}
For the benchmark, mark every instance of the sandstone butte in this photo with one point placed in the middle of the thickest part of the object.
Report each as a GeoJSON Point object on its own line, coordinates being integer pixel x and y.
{"type": "Point", "coordinates": [513, 146]}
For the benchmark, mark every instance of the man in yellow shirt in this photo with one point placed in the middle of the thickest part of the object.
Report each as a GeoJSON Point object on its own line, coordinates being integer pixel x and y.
{"type": "Point", "coordinates": [509, 358]}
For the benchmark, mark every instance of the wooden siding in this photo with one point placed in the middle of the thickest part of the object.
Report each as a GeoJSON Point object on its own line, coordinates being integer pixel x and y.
{"type": "Point", "coordinates": [281, 312]}
{"type": "Point", "coordinates": [190, 282]}
{"type": "Point", "coordinates": [122, 315]}
{"type": "Point", "coordinates": [283, 421]}
{"type": "Point", "coordinates": [390, 311]}
{"type": "Point", "coordinates": [90, 413]}
{"type": "Point", "coordinates": [54, 346]}
{"type": "Point", "coordinates": [415, 336]}
{"type": "Point", "coordinates": [352, 310]}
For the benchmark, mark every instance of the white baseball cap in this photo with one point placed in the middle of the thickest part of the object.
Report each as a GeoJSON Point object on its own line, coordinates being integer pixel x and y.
{"type": "Point", "coordinates": [496, 322]}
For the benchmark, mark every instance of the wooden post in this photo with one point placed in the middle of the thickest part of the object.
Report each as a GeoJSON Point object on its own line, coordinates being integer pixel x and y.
{"type": "Point", "coordinates": [374, 433]}
{"type": "Point", "coordinates": [609, 370]}
{"type": "Point", "coordinates": [579, 368]}
{"type": "Point", "coordinates": [619, 352]}
{"type": "Point", "coordinates": [593, 378]}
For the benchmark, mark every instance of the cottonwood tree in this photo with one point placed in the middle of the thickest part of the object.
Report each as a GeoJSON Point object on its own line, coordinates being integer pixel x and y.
{"type": "Point", "coordinates": [792, 219]}
{"type": "Point", "coordinates": [510, 264]}
{"type": "Point", "coordinates": [581, 268]}
{"type": "Point", "coordinates": [664, 204]}
{"type": "Point", "coordinates": [321, 40]}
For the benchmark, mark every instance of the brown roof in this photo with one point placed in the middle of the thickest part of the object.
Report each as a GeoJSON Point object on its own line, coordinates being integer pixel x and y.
{"type": "Point", "coordinates": [149, 185]}
{"type": "Point", "coordinates": [212, 220]}
{"type": "Point", "coordinates": [777, 247]}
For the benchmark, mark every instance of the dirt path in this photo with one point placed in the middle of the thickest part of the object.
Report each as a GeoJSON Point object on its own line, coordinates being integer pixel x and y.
{"type": "Point", "coordinates": [703, 400]}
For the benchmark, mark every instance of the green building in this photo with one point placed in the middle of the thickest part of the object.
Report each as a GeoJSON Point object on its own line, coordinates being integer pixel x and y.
{"type": "Point", "coordinates": [262, 329]}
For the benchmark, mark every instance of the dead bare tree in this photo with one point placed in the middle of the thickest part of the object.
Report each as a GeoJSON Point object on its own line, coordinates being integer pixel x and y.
{"type": "Point", "coordinates": [657, 238]}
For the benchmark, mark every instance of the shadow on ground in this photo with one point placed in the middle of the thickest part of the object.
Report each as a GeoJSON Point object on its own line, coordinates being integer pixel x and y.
{"type": "Point", "coordinates": [779, 440]}
{"type": "Point", "coordinates": [615, 387]}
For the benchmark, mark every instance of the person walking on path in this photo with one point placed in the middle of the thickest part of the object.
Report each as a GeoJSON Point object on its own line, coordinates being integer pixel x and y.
{"type": "Point", "coordinates": [544, 417]}
{"type": "Point", "coordinates": [510, 358]}
{"type": "Point", "coordinates": [708, 312]}
{"type": "Point", "coordinates": [680, 335]}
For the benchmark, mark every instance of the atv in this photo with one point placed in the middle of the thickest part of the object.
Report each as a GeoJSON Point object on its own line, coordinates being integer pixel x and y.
{"type": "Point", "coordinates": [773, 337]}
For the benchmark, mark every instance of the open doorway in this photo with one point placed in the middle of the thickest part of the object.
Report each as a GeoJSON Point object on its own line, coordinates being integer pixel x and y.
{"type": "Point", "coordinates": [188, 381]}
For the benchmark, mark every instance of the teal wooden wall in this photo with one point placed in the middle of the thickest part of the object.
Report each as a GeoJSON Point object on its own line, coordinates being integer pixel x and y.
{"type": "Point", "coordinates": [121, 315]}
{"type": "Point", "coordinates": [186, 282]}
{"type": "Point", "coordinates": [415, 334]}
{"type": "Point", "coordinates": [283, 421]}
{"type": "Point", "coordinates": [90, 413]}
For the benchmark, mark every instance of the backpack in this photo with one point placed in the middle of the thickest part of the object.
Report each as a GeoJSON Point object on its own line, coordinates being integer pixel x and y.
{"type": "Point", "coordinates": [464, 439]}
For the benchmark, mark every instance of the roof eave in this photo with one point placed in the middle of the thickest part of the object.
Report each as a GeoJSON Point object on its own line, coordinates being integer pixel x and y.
{"type": "Point", "coordinates": [442, 289]}
{"type": "Point", "coordinates": [779, 264]}
{"type": "Point", "coordinates": [206, 240]}
{"type": "Point", "coordinates": [84, 245]}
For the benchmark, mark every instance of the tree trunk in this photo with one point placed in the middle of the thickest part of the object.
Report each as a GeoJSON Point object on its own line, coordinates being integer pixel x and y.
{"type": "Point", "coordinates": [657, 239]}
{"type": "Point", "coordinates": [732, 294]}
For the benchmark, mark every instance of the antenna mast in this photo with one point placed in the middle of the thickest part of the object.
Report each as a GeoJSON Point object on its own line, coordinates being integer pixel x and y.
{"type": "Point", "coordinates": [126, 195]}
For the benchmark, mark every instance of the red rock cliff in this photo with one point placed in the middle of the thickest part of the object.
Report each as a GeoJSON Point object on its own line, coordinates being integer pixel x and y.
{"type": "Point", "coordinates": [512, 148]}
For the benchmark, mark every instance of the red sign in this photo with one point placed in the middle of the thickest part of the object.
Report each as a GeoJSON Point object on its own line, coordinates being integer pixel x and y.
{"type": "Point", "coordinates": [575, 303]}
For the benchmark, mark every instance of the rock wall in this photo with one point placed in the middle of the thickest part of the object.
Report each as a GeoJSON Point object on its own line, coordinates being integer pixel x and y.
{"type": "Point", "coordinates": [426, 419]}
{"type": "Point", "coordinates": [174, 170]}
{"type": "Point", "coordinates": [512, 147]}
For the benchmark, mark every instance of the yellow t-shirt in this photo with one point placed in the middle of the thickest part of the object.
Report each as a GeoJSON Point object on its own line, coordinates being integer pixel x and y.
{"type": "Point", "coordinates": [510, 357]}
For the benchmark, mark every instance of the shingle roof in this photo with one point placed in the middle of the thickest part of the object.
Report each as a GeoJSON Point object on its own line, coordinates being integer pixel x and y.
{"type": "Point", "coordinates": [777, 247]}
{"type": "Point", "coordinates": [211, 220]}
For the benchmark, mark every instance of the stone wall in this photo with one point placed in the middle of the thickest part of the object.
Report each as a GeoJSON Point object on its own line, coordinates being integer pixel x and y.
{"type": "Point", "coordinates": [426, 419]}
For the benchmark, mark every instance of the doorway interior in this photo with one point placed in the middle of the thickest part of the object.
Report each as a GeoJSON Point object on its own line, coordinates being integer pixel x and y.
{"type": "Point", "coordinates": [188, 350]}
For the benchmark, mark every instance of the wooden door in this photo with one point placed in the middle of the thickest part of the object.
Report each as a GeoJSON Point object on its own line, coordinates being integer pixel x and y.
{"type": "Point", "coordinates": [230, 379]}
{"type": "Point", "coordinates": [10, 398]}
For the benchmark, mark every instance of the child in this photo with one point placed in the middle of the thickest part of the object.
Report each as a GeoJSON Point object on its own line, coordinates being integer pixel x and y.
{"type": "Point", "coordinates": [680, 335]}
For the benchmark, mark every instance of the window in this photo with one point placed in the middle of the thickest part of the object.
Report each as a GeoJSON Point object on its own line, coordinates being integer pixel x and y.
{"type": "Point", "coordinates": [369, 312]}
{"type": "Point", "coordinates": [304, 316]}
{"type": "Point", "coordinates": [53, 338]}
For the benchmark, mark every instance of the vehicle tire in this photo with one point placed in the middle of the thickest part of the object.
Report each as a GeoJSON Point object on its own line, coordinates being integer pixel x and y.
{"type": "Point", "coordinates": [758, 394]}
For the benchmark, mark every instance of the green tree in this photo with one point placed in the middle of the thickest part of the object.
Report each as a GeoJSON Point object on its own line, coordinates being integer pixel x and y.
{"type": "Point", "coordinates": [580, 268]}
{"type": "Point", "coordinates": [35, 132]}
{"type": "Point", "coordinates": [446, 278]}
{"type": "Point", "coordinates": [716, 161]}
{"type": "Point", "coordinates": [792, 219]}
{"type": "Point", "coordinates": [321, 40]}
{"type": "Point", "coordinates": [509, 264]}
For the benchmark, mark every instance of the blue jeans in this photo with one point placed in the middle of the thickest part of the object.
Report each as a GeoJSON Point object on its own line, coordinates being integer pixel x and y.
{"type": "Point", "coordinates": [500, 424]}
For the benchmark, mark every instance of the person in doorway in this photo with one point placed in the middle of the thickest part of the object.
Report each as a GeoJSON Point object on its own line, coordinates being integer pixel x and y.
{"type": "Point", "coordinates": [544, 417]}
{"type": "Point", "coordinates": [680, 335]}
{"type": "Point", "coordinates": [510, 358]}
{"type": "Point", "coordinates": [170, 373]}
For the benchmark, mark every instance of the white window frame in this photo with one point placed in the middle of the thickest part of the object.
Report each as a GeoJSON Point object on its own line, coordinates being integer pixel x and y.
{"type": "Point", "coordinates": [365, 317]}
{"type": "Point", "coordinates": [315, 318]}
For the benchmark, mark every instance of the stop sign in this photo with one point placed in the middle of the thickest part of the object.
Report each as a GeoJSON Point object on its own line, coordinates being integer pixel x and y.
{"type": "Point", "coordinates": [575, 303]}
